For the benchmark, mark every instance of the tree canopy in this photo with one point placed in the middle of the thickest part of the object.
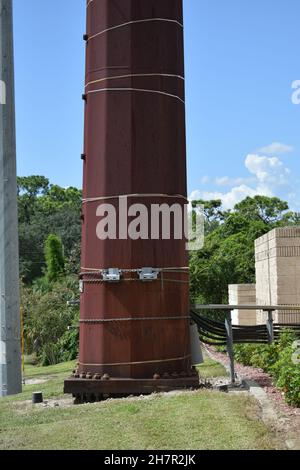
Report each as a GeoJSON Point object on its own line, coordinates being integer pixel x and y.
{"type": "Point", "coordinates": [46, 209]}
{"type": "Point", "coordinates": [228, 253]}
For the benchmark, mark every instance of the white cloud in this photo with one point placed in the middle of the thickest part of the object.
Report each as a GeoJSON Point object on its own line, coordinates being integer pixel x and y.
{"type": "Point", "coordinates": [229, 199]}
{"type": "Point", "coordinates": [227, 181]}
{"type": "Point", "coordinates": [205, 180]}
{"type": "Point", "coordinates": [269, 173]}
{"type": "Point", "coordinates": [276, 148]}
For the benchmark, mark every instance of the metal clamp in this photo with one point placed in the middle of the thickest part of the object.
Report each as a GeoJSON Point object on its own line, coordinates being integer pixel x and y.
{"type": "Point", "coordinates": [148, 274]}
{"type": "Point", "coordinates": [73, 303]}
{"type": "Point", "coordinates": [111, 275]}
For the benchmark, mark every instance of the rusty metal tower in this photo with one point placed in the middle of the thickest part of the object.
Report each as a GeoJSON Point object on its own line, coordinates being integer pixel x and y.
{"type": "Point", "coordinates": [134, 322]}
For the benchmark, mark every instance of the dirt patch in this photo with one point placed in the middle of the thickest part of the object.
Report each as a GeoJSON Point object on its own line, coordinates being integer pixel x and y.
{"type": "Point", "coordinates": [21, 407]}
{"type": "Point", "coordinates": [37, 381]}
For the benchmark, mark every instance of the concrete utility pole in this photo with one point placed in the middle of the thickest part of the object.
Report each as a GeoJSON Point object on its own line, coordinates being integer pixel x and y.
{"type": "Point", "coordinates": [10, 350]}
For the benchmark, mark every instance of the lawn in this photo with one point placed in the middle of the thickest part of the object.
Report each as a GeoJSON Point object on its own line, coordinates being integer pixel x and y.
{"type": "Point", "coordinates": [189, 420]}
{"type": "Point", "coordinates": [210, 368]}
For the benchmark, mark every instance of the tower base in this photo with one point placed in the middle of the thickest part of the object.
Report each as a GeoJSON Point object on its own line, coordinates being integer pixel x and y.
{"type": "Point", "coordinates": [91, 390]}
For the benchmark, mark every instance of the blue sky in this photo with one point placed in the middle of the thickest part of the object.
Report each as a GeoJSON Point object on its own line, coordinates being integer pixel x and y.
{"type": "Point", "coordinates": [243, 131]}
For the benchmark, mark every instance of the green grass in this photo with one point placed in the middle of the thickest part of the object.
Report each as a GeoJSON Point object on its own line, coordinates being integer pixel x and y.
{"type": "Point", "coordinates": [53, 388]}
{"type": "Point", "coordinates": [58, 369]}
{"type": "Point", "coordinates": [191, 420]}
{"type": "Point", "coordinates": [211, 369]}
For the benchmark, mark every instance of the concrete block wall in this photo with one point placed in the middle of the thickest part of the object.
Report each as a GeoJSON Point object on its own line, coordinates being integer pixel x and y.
{"type": "Point", "coordinates": [277, 264]}
{"type": "Point", "coordinates": [242, 294]}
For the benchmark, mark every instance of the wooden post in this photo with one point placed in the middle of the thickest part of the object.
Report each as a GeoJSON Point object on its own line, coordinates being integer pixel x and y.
{"type": "Point", "coordinates": [230, 351]}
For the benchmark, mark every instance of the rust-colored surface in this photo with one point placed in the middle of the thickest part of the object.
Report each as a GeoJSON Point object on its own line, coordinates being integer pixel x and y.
{"type": "Point", "coordinates": [93, 389]}
{"type": "Point", "coordinates": [134, 144]}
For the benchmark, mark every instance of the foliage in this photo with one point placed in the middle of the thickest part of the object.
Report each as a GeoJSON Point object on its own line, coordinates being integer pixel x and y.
{"type": "Point", "coordinates": [68, 343]}
{"type": "Point", "coordinates": [287, 373]}
{"type": "Point", "coordinates": [228, 255]}
{"type": "Point", "coordinates": [46, 209]}
{"type": "Point", "coordinates": [54, 258]}
{"type": "Point", "coordinates": [275, 359]}
{"type": "Point", "coordinates": [46, 320]}
{"type": "Point", "coordinates": [212, 212]}
{"type": "Point", "coordinates": [49, 240]}
{"type": "Point", "coordinates": [263, 209]}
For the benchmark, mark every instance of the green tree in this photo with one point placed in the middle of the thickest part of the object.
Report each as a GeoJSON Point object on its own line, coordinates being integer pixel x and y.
{"type": "Point", "coordinates": [268, 210]}
{"type": "Point", "coordinates": [228, 255]}
{"type": "Point", "coordinates": [29, 188]}
{"type": "Point", "coordinates": [55, 261]}
{"type": "Point", "coordinates": [212, 212]}
{"type": "Point", "coordinates": [46, 209]}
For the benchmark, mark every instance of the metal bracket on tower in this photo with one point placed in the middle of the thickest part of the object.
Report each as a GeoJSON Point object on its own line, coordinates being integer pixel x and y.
{"type": "Point", "coordinates": [73, 303]}
{"type": "Point", "coordinates": [111, 275]}
{"type": "Point", "coordinates": [148, 274]}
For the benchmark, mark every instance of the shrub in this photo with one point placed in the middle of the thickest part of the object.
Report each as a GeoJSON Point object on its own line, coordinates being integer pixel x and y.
{"type": "Point", "coordinates": [287, 373]}
{"type": "Point", "coordinates": [46, 320]}
{"type": "Point", "coordinates": [275, 359]}
{"type": "Point", "coordinates": [244, 352]}
{"type": "Point", "coordinates": [54, 258]}
{"type": "Point", "coordinates": [68, 343]}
